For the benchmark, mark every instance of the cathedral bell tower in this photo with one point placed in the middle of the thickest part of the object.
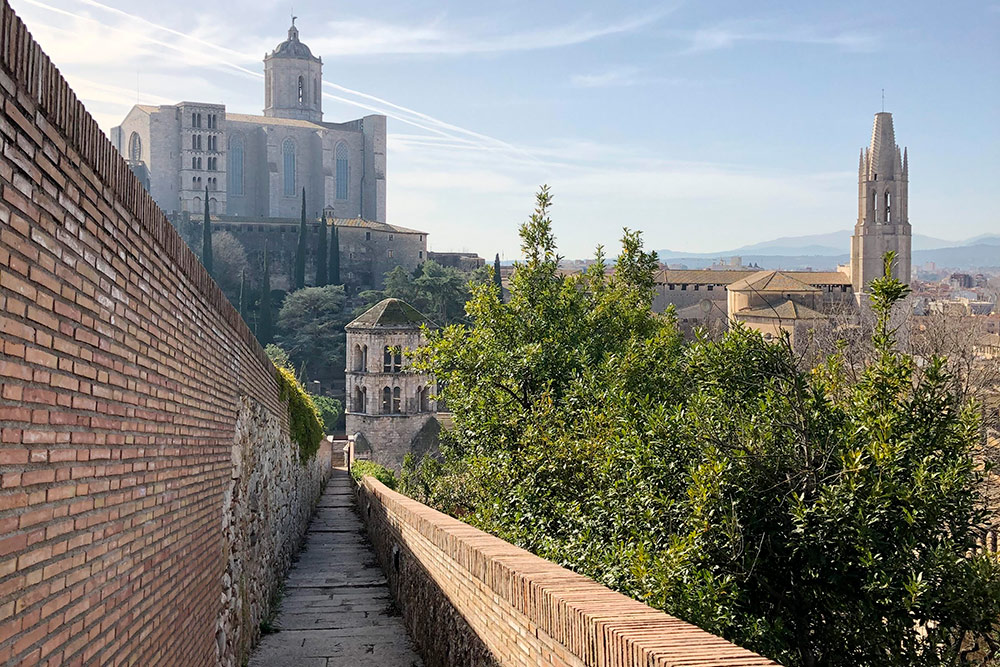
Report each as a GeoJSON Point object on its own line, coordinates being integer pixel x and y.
{"type": "Point", "coordinates": [883, 211]}
{"type": "Point", "coordinates": [293, 81]}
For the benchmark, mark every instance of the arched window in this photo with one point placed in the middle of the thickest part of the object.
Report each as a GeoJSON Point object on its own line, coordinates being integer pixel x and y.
{"type": "Point", "coordinates": [386, 401]}
{"type": "Point", "coordinates": [236, 165]}
{"type": "Point", "coordinates": [423, 399]}
{"type": "Point", "coordinates": [212, 204]}
{"type": "Point", "coordinates": [343, 170]}
{"type": "Point", "coordinates": [135, 147]}
{"type": "Point", "coordinates": [392, 359]}
{"type": "Point", "coordinates": [888, 207]}
{"type": "Point", "coordinates": [396, 396]}
{"type": "Point", "coordinates": [319, 91]}
{"type": "Point", "coordinates": [288, 153]}
{"type": "Point", "coordinates": [302, 91]}
{"type": "Point", "coordinates": [359, 400]}
{"type": "Point", "coordinates": [874, 207]}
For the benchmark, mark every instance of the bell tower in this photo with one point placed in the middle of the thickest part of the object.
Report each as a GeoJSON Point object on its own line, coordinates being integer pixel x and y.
{"type": "Point", "coordinates": [293, 81]}
{"type": "Point", "coordinates": [883, 211]}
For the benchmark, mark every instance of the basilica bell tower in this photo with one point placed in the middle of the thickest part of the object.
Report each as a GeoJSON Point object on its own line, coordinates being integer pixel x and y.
{"type": "Point", "coordinates": [883, 211]}
{"type": "Point", "coordinates": [293, 81]}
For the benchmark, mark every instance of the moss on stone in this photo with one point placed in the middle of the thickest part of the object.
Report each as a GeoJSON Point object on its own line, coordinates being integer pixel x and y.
{"type": "Point", "coordinates": [304, 423]}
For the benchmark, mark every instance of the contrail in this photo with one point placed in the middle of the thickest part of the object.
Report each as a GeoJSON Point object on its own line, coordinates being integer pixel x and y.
{"type": "Point", "coordinates": [395, 111]}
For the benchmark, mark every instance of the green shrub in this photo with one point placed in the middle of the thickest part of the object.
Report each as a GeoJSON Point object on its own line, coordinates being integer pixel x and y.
{"type": "Point", "coordinates": [360, 469]}
{"type": "Point", "coordinates": [304, 422]}
{"type": "Point", "coordinates": [330, 411]}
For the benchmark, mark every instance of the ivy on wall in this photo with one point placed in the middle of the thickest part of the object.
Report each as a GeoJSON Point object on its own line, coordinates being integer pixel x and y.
{"type": "Point", "coordinates": [304, 421]}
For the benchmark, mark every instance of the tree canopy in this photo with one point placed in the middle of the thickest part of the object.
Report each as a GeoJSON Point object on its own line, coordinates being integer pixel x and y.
{"type": "Point", "coordinates": [812, 517]}
{"type": "Point", "coordinates": [439, 292]}
{"type": "Point", "coordinates": [310, 326]}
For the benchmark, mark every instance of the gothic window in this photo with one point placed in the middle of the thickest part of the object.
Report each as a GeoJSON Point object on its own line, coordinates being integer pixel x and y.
{"type": "Point", "coordinates": [423, 399]}
{"type": "Point", "coordinates": [359, 400]}
{"type": "Point", "coordinates": [194, 142]}
{"type": "Point", "coordinates": [319, 91]}
{"type": "Point", "coordinates": [236, 165]}
{"type": "Point", "coordinates": [887, 208]}
{"type": "Point", "coordinates": [343, 170]}
{"type": "Point", "coordinates": [874, 207]}
{"type": "Point", "coordinates": [386, 401]}
{"type": "Point", "coordinates": [288, 153]}
{"type": "Point", "coordinates": [302, 91]}
{"type": "Point", "coordinates": [135, 147]}
{"type": "Point", "coordinates": [194, 163]}
{"type": "Point", "coordinates": [396, 401]}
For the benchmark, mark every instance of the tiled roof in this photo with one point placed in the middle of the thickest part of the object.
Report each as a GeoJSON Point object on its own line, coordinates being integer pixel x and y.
{"type": "Point", "coordinates": [722, 277]}
{"type": "Point", "coordinates": [770, 281]}
{"type": "Point", "coordinates": [269, 120]}
{"type": "Point", "coordinates": [373, 224]}
{"type": "Point", "coordinates": [340, 222]}
{"type": "Point", "coordinates": [390, 314]}
{"type": "Point", "coordinates": [786, 310]}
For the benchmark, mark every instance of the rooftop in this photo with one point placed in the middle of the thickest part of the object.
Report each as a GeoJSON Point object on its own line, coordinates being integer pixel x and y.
{"type": "Point", "coordinates": [770, 281]}
{"type": "Point", "coordinates": [390, 314]}
{"type": "Point", "coordinates": [786, 310]}
{"type": "Point", "coordinates": [292, 47]}
{"type": "Point", "coordinates": [727, 277]}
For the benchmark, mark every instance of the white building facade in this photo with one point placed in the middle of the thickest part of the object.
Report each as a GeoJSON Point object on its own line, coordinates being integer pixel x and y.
{"type": "Point", "coordinates": [257, 166]}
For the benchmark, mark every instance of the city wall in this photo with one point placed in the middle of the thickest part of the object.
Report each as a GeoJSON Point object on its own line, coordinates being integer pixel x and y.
{"type": "Point", "coordinates": [471, 599]}
{"type": "Point", "coordinates": [150, 499]}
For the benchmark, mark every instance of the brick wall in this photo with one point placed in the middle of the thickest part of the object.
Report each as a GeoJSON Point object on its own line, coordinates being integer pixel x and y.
{"type": "Point", "coordinates": [122, 376]}
{"type": "Point", "coordinates": [469, 598]}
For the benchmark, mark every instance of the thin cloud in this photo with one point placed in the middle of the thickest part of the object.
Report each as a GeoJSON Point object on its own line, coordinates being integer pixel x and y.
{"type": "Point", "coordinates": [623, 77]}
{"type": "Point", "coordinates": [728, 36]}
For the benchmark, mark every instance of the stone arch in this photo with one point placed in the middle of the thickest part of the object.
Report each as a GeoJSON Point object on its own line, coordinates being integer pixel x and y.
{"type": "Point", "coordinates": [360, 396]}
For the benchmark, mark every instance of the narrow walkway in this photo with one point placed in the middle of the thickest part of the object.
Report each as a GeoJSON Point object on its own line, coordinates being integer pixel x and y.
{"type": "Point", "coordinates": [336, 609]}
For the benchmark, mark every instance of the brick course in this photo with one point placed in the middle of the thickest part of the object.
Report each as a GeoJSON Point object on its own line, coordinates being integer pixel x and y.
{"type": "Point", "coordinates": [122, 372]}
{"type": "Point", "coordinates": [469, 598]}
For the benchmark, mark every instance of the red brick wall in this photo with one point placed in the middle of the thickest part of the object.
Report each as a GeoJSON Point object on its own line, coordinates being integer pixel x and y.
{"type": "Point", "coordinates": [122, 366]}
{"type": "Point", "coordinates": [514, 608]}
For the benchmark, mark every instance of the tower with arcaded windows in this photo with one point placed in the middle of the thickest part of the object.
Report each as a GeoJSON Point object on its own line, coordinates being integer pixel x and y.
{"type": "Point", "coordinates": [883, 215]}
{"type": "Point", "coordinates": [293, 79]}
{"type": "Point", "coordinates": [389, 403]}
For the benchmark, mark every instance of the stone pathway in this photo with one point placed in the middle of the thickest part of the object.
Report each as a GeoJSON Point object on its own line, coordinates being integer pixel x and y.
{"type": "Point", "coordinates": [335, 612]}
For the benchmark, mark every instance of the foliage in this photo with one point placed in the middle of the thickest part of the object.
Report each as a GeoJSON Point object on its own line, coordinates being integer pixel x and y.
{"type": "Point", "coordinates": [305, 426]}
{"type": "Point", "coordinates": [497, 280]}
{"type": "Point", "coordinates": [206, 238]}
{"type": "Point", "coordinates": [265, 323]}
{"type": "Point", "coordinates": [321, 265]}
{"type": "Point", "coordinates": [362, 468]}
{"type": "Point", "coordinates": [333, 261]}
{"type": "Point", "coordinates": [330, 411]}
{"type": "Point", "coordinates": [311, 328]}
{"type": "Point", "coordinates": [278, 356]}
{"type": "Point", "coordinates": [299, 268]}
{"type": "Point", "coordinates": [244, 295]}
{"type": "Point", "coordinates": [229, 260]}
{"type": "Point", "coordinates": [811, 517]}
{"type": "Point", "coordinates": [439, 292]}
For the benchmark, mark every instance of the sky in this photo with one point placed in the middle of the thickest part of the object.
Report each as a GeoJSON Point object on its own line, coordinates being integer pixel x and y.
{"type": "Point", "coordinates": [706, 124]}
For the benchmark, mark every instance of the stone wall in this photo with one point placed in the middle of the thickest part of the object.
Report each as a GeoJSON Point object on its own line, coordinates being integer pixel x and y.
{"type": "Point", "coordinates": [470, 599]}
{"type": "Point", "coordinates": [149, 495]}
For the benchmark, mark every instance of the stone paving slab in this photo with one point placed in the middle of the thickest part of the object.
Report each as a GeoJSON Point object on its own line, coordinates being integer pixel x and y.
{"type": "Point", "coordinates": [337, 611]}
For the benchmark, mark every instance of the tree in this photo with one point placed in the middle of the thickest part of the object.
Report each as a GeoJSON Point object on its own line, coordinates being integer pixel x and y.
{"type": "Point", "coordinates": [206, 238]}
{"type": "Point", "coordinates": [321, 265]}
{"type": "Point", "coordinates": [311, 328]}
{"type": "Point", "coordinates": [333, 274]}
{"type": "Point", "coordinates": [244, 295]}
{"type": "Point", "coordinates": [440, 292]}
{"type": "Point", "coordinates": [265, 327]}
{"type": "Point", "coordinates": [330, 411]}
{"type": "Point", "coordinates": [497, 281]}
{"type": "Point", "coordinates": [814, 517]}
{"type": "Point", "coordinates": [230, 261]}
{"type": "Point", "coordinates": [300, 250]}
{"type": "Point", "coordinates": [278, 356]}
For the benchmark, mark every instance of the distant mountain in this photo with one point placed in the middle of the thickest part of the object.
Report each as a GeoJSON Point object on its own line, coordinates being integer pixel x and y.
{"type": "Point", "coordinates": [984, 239]}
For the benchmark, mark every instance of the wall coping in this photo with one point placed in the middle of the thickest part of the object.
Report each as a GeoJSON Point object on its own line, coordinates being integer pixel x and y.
{"type": "Point", "coordinates": [596, 624]}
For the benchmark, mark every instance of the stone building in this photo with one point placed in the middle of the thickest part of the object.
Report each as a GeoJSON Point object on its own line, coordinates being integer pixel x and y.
{"type": "Point", "coordinates": [774, 303]}
{"type": "Point", "coordinates": [883, 208]}
{"type": "Point", "coordinates": [257, 166]}
{"type": "Point", "coordinates": [390, 407]}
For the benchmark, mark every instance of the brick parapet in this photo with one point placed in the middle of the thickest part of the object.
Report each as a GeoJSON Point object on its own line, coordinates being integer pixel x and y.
{"type": "Point", "coordinates": [122, 376]}
{"type": "Point", "coordinates": [517, 608]}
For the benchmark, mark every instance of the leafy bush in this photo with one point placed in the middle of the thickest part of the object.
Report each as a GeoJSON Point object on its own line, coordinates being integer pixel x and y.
{"type": "Point", "coordinates": [304, 421]}
{"type": "Point", "coordinates": [330, 411]}
{"type": "Point", "coordinates": [361, 468]}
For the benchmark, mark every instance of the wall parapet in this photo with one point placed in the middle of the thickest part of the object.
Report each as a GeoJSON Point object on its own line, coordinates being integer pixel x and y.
{"type": "Point", "coordinates": [470, 598]}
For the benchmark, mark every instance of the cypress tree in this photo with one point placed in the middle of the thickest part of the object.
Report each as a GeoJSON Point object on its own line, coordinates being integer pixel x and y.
{"type": "Point", "coordinates": [496, 276]}
{"type": "Point", "coordinates": [265, 327]}
{"type": "Point", "coordinates": [300, 251]}
{"type": "Point", "coordinates": [321, 268]}
{"type": "Point", "coordinates": [206, 238]}
{"type": "Point", "coordinates": [243, 295]}
{"type": "Point", "coordinates": [333, 275]}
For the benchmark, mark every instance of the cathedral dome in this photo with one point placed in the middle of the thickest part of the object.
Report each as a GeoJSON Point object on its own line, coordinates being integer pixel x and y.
{"type": "Point", "coordinates": [292, 47]}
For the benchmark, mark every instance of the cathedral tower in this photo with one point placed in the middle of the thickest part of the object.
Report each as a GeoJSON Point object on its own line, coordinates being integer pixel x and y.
{"type": "Point", "coordinates": [293, 81]}
{"type": "Point", "coordinates": [883, 215]}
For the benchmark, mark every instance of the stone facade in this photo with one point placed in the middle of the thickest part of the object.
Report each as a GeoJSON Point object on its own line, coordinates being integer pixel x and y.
{"type": "Point", "coordinates": [257, 166]}
{"type": "Point", "coordinates": [150, 493]}
{"type": "Point", "coordinates": [389, 404]}
{"type": "Point", "coordinates": [883, 208]}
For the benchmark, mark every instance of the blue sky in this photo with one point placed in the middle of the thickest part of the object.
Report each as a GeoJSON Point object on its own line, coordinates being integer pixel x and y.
{"type": "Point", "coordinates": [707, 125]}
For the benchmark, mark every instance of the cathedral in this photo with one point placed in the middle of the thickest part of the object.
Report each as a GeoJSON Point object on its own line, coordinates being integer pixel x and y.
{"type": "Point", "coordinates": [257, 166]}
